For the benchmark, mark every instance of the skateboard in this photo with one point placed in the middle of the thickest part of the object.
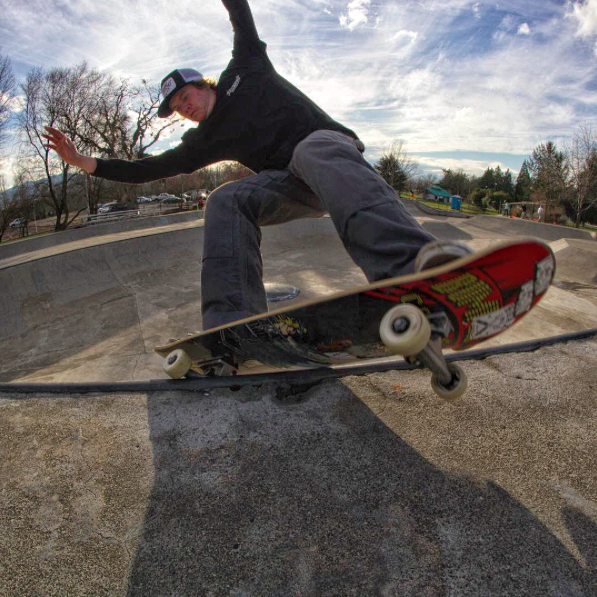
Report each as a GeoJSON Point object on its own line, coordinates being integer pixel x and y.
{"type": "Point", "coordinates": [453, 306]}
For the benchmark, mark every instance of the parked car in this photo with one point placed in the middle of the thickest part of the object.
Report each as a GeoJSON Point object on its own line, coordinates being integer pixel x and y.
{"type": "Point", "coordinates": [164, 196]}
{"type": "Point", "coordinates": [17, 223]}
{"type": "Point", "coordinates": [103, 208]}
{"type": "Point", "coordinates": [144, 200]}
{"type": "Point", "coordinates": [174, 199]}
{"type": "Point", "coordinates": [113, 207]}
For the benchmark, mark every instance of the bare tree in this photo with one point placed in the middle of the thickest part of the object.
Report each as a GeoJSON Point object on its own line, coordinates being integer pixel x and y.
{"type": "Point", "coordinates": [424, 181]}
{"type": "Point", "coordinates": [122, 122]}
{"type": "Point", "coordinates": [48, 97]}
{"type": "Point", "coordinates": [7, 89]}
{"type": "Point", "coordinates": [15, 203]}
{"type": "Point", "coordinates": [101, 116]}
{"type": "Point", "coordinates": [581, 159]}
{"type": "Point", "coordinates": [6, 208]}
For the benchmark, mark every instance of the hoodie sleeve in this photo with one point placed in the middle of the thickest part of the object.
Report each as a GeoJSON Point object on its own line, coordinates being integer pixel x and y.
{"type": "Point", "coordinates": [182, 159]}
{"type": "Point", "coordinates": [246, 39]}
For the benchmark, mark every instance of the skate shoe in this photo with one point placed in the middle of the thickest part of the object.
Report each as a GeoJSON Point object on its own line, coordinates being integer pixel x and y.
{"type": "Point", "coordinates": [438, 252]}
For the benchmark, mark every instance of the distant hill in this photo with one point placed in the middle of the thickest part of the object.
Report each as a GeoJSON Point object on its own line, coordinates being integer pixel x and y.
{"type": "Point", "coordinates": [31, 185]}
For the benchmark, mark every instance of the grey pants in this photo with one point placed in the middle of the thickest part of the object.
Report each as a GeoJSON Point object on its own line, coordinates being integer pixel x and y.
{"type": "Point", "coordinates": [327, 174]}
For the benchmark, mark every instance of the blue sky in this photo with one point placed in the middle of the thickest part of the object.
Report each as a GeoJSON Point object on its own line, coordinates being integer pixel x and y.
{"type": "Point", "coordinates": [465, 84]}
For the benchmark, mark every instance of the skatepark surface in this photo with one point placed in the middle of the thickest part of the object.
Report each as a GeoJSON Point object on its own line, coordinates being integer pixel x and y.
{"type": "Point", "coordinates": [365, 485]}
{"type": "Point", "coordinates": [94, 308]}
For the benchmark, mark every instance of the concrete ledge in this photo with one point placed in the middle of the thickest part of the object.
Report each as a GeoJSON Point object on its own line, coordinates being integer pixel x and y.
{"type": "Point", "coordinates": [549, 232]}
{"type": "Point", "coordinates": [57, 238]}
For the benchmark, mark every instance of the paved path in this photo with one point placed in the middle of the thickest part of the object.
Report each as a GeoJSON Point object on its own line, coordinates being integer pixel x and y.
{"type": "Point", "coordinates": [361, 486]}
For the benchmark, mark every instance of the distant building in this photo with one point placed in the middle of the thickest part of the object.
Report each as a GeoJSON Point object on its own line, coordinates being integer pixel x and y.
{"type": "Point", "coordinates": [436, 193]}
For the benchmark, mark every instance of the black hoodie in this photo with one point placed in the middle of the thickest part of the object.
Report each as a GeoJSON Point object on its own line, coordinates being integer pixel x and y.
{"type": "Point", "coordinates": [257, 120]}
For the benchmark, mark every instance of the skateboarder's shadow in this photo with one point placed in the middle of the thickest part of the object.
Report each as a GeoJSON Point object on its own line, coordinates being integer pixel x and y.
{"type": "Point", "coordinates": [583, 531]}
{"type": "Point", "coordinates": [258, 495]}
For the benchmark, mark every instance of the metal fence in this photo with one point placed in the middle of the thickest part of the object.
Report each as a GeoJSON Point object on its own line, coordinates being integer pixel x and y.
{"type": "Point", "coordinates": [144, 211]}
{"type": "Point", "coordinates": [113, 216]}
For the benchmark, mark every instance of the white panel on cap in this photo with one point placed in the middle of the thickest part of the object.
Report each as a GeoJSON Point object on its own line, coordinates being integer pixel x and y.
{"type": "Point", "coordinates": [190, 74]}
{"type": "Point", "coordinates": [168, 86]}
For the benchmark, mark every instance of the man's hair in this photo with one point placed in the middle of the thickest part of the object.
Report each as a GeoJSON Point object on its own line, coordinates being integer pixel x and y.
{"type": "Point", "coordinates": [205, 82]}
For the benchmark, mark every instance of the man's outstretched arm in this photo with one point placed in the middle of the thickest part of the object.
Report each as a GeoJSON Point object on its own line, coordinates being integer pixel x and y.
{"type": "Point", "coordinates": [246, 38]}
{"type": "Point", "coordinates": [179, 160]}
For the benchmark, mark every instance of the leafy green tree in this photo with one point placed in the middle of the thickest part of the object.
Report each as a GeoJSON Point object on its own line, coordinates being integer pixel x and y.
{"type": "Point", "coordinates": [495, 179]}
{"type": "Point", "coordinates": [498, 198]}
{"type": "Point", "coordinates": [488, 180]}
{"type": "Point", "coordinates": [549, 173]}
{"type": "Point", "coordinates": [390, 170]}
{"type": "Point", "coordinates": [506, 184]}
{"type": "Point", "coordinates": [479, 197]}
{"type": "Point", "coordinates": [522, 190]}
{"type": "Point", "coordinates": [456, 181]}
{"type": "Point", "coordinates": [396, 167]}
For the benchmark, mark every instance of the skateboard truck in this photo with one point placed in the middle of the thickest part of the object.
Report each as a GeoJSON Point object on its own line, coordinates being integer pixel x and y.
{"type": "Point", "coordinates": [178, 364]}
{"type": "Point", "coordinates": [406, 331]}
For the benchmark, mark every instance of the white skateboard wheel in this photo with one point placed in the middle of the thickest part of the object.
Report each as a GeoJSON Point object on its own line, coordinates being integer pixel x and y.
{"type": "Point", "coordinates": [177, 363]}
{"type": "Point", "coordinates": [414, 333]}
{"type": "Point", "coordinates": [456, 388]}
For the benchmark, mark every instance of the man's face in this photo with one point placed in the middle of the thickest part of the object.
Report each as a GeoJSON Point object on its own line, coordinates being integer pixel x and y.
{"type": "Point", "coordinates": [193, 103]}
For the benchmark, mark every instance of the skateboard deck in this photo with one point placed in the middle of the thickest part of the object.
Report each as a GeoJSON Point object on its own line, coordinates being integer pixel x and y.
{"type": "Point", "coordinates": [465, 302]}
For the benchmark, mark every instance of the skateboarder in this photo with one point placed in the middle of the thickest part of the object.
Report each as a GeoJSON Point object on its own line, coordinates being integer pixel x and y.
{"type": "Point", "coordinates": [306, 165]}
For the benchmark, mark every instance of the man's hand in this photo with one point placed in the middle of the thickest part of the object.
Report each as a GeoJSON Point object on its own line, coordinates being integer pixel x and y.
{"type": "Point", "coordinates": [66, 149]}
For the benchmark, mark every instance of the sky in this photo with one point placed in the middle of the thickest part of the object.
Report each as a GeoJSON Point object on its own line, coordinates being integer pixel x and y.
{"type": "Point", "coordinates": [464, 84]}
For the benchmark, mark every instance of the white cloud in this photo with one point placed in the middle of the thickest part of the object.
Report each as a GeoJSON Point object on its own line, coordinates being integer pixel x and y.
{"type": "Point", "coordinates": [358, 12]}
{"type": "Point", "coordinates": [524, 29]}
{"type": "Point", "coordinates": [471, 166]}
{"type": "Point", "coordinates": [585, 15]}
{"type": "Point", "coordinates": [408, 36]}
{"type": "Point", "coordinates": [427, 72]}
{"type": "Point", "coordinates": [14, 104]}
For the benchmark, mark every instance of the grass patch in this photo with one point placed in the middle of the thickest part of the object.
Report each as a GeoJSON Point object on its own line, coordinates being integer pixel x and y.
{"type": "Point", "coordinates": [467, 208]}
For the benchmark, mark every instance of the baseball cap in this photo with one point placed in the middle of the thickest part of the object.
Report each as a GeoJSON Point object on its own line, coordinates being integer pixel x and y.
{"type": "Point", "coordinates": [172, 83]}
